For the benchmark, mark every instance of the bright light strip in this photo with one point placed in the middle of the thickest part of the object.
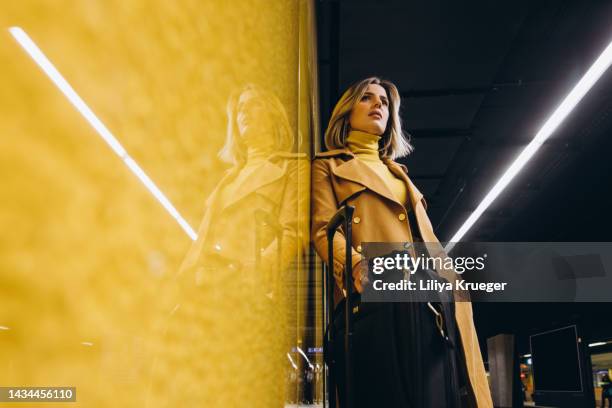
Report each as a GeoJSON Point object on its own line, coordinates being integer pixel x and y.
{"type": "Point", "coordinates": [291, 361]}
{"type": "Point", "coordinates": [599, 343]}
{"type": "Point", "coordinates": [305, 357]}
{"type": "Point", "coordinates": [43, 62]}
{"type": "Point", "coordinates": [526, 355]}
{"type": "Point", "coordinates": [569, 103]}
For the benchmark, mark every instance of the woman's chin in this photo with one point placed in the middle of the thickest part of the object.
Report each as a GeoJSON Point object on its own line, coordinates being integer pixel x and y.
{"type": "Point", "coordinates": [372, 129]}
{"type": "Point", "coordinates": [375, 130]}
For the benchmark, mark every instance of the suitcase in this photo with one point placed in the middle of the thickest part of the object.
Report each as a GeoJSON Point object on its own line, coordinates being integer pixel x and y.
{"type": "Point", "coordinates": [390, 354]}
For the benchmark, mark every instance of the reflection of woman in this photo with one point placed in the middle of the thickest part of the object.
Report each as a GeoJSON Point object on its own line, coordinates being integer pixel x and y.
{"type": "Point", "coordinates": [364, 135]}
{"type": "Point", "coordinates": [226, 340]}
{"type": "Point", "coordinates": [249, 214]}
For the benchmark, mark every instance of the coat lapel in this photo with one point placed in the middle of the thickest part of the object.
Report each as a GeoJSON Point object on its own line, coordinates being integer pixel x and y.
{"type": "Point", "coordinates": [414, 194]}
{"type": "Point", "coordinates": [211, 208]}
{"type": "Point", "coordinates": [266, 174]}
{"type": "Point", "coordinates": [432, 244]}
{"type": "Point", "coordinates": [359, 172]}
{"type": "Point", "coordinates": [416, 200]}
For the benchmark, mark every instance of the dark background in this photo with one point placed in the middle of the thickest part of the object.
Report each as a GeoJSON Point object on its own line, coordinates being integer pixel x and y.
{"type": "Point", "coordinates": [478, 79]}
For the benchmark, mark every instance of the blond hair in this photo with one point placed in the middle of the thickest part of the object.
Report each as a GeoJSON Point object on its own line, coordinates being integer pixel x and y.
{"type": "Point", "coordinates": [234, 150]}
{"type": "Point", "coordinates": [393, 143]}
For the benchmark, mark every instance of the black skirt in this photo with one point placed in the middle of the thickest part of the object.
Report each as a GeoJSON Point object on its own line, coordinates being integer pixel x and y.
{"type": "Point", "coordinates": [399, 357]}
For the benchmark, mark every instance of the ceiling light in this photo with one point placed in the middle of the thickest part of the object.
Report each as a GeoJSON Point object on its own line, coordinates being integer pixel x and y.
{"type": "Point", "coordinates": [43, 62]}
{"type": "Point", "coordinates": [563, 110]}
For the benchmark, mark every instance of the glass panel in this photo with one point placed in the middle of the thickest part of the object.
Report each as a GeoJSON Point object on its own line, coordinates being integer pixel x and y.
{"type": "Point", "coordinates": [155, 198]}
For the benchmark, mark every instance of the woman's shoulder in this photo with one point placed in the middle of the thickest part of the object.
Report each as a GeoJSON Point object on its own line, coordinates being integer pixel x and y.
{"type": "Point", "coordinates": [336, 154]}
{"type": "Point", "coordinates": [326, 161]}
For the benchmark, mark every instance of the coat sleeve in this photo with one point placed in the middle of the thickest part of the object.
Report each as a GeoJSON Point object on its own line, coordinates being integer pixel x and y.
{"type": "Point", "coordinates": [323, 208]}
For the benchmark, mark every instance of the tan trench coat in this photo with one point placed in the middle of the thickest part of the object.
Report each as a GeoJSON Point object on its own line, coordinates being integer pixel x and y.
{"type": "Point", "coordinates": [228, 229]}
{"type": "Point", "coordinates": [338, 179]}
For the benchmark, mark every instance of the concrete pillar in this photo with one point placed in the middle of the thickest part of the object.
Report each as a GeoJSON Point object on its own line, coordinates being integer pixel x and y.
{"type": "Point", "coordinates": [501, 361]}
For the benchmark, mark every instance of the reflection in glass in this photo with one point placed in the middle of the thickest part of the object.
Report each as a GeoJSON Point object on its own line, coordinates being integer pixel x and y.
{"type": "Point", "coordinates": [230, 317]}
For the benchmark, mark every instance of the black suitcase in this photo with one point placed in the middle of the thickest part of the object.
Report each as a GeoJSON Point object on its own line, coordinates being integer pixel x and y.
{"type": "Point", "coordinates": [404, 354]}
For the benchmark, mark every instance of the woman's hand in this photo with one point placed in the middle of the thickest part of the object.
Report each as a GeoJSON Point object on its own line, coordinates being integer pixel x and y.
{"type": "Point", "coordinates": [360, 276]}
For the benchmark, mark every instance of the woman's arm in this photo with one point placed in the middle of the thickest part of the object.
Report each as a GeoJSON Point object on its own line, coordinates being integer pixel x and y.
{"type": "Point", "coordinates": [323, 207]}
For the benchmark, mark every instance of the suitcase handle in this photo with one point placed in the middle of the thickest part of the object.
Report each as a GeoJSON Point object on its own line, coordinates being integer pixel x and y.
{"type": "Point", "coordinates": [343, 217]}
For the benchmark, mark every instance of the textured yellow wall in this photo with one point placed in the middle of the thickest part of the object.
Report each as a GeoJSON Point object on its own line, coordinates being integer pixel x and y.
{"type": "Point", "coordinates": [90, 290]}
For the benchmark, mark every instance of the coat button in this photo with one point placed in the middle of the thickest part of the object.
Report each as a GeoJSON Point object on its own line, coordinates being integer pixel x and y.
{"type": "Point", "coordinates": [401, 216]}
{"type": "Point", "coordinates": [359, 248]}
{"type": "Point", "coordinates": [356, 220]}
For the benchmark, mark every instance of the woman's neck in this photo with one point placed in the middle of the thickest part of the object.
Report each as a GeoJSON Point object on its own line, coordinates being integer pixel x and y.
{"type": "Point", "coordinates": [257, 155]}
{"type": "Point", "coordinates": [363, 145]}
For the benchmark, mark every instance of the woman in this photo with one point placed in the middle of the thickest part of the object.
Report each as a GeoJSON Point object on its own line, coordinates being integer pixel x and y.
{"type": "Point", "coordinates": [226, 339]}
{"type": "Point", "coordinates": [363, 138]}
{"type": "Point", "coordinates": [252, 211]}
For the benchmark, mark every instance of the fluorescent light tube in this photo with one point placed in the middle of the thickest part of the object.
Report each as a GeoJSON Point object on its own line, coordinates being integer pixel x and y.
{"type": "Point", "coordinates": [43, 62]}
{"type": "Point", "coordinates": [563, 110]}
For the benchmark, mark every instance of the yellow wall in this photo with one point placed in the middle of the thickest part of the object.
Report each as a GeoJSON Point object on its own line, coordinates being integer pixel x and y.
{"type": "Point", "coordinates": [90, 290]}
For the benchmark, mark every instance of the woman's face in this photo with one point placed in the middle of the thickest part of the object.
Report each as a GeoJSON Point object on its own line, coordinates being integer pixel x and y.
{"type": "Point", "coordinates": [371, 113]}
{"type": "Point", "coordinates": [253, 119]}
{"type": "Point", "coordinates": [250, 110]}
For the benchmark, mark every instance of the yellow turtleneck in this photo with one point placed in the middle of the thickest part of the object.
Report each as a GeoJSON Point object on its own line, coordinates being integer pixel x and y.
{"type": "Point", "coordinates": [365, 147]}
{"type": "Point", "coordinates": [254, 160]}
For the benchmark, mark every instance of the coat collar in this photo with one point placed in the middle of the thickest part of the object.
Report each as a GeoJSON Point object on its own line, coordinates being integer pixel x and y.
{"type": "Point", "coordinates": [336, 152]}
{"type": "Point", "coordinates": [401, 172]}
{"type": "Point", "coordinates": [359, 172]}
{"type": "Point", "coordinates": [266, 173]}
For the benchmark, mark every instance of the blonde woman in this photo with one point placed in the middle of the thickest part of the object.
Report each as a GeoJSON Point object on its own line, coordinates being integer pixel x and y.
{"type": "Point", "coordinates": [226, 337]}
{"type": "Point", "coordinates": [363, 138]}
{"type": "Point", "coordinates": [258, 146]}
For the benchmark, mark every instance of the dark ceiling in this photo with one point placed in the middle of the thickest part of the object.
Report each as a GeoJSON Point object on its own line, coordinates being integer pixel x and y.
{"type": "Point", "coordinates": [478, 79]}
